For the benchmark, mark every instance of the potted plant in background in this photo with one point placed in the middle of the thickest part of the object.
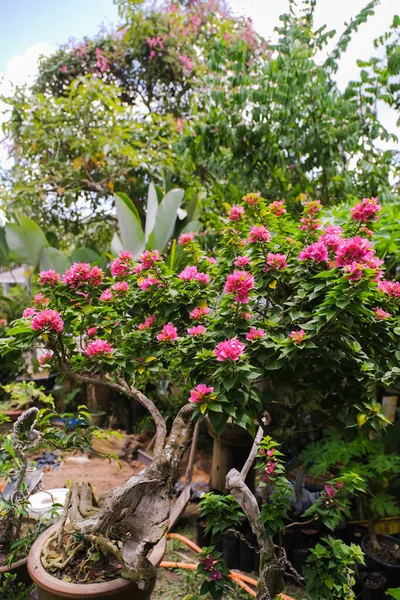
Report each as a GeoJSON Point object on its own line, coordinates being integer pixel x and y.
{"type": "Point", "coordinates": [303, 303]}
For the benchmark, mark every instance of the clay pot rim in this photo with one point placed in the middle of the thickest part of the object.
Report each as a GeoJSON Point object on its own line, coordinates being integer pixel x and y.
{"type": "Point", "coordinates": [14, 565]}
{"type": "Point", "coordinates": [49, 583]}
{"type": "Point", "coordinates": [378, 560]}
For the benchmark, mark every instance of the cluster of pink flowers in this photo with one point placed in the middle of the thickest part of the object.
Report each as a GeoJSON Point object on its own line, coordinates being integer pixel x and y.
{"type": "Point", "coordinates": [229, 350]}
{"type": "Point", "coordinates": [200, 393]}
{"type": "Point", "coordinates": [239, 283]}
{"type": "Point", "coordinates": [154, 43]}
{"type": "Point", "coordinates": [297, 336]}
{"type": "Point", "coordinates": [316, 251]}
{"type": "Point", "coordinates": [47, 320]}
{"type": "Point", "coordinates": [145, 283]}
{"type": "Point", "coordinates": [355, 249]}
{"type": "Point", "coordinates": [381, 314]}
{"type": "Point", "coordinates": [148, 322]}
{"type": "Point", "coordinates": [64, 70]}
{"type": "Point", "coordinates": [45, 358]}
{"type": "Point", "coordinates": [277, 208]}
{"type": "Point", "coordinates": [168, 333]}
{"type": "Point", "coordinates": [208, 562]}
{"type": "Point", "coordinates": [254, 334]}
{"type": "Point", "coordinates": [40, 300]}
{"type": "Point", "coordinates": [91, 332]}
{"type": "Point", "coordinates": [270, 470]}
{"type": "Point", "coordinates": [186, 63]}
{"type": "Point", "coordinates": [259, 234]}
{"type": "Point", "coordinates": [196, 330]}
{"type": "Point", "coordinates": [81, 274]}
{"type": "Point", "coordinates": [191, 274]}
{"type": "Point", "coordinates": [354, 272]}
{"type": "Point", "coordinates": [310, 221]}
{"type": "Point", "coordinates": [106, 296]}
{"type": "Point", "coordinates": [186, 238]}
{"type": "Point", "coordinates": [235, 213]}
{"type": "Point", "coordinates": [121, 287]}
{"type": "Point", "coordinates": [122, 265]}
{"type": "Point", "coordinates": [366, 209]}
{"type": "Point", "coordinates": [199, 312]}
{"type": "Point", "coordinates": [392, 288]}
{"type": "Point", "coordinates": [330, 492]}
{"type": "Point", "coordinates": [101, 61]}
{"type": "Point", "coordinates": [98, 347]}
{"type": "Point", "coordinates": [211, 260]}
{"type": "Point", "coordinates": [242, 261]}
{"type": "Point", "coordinates": [331, 237]}
{"type": "Point", "coordinates": [29, 312]}
{"type": "Point", "coordinates": [277, 261]}
{"type": "Point", "coordinates": [48, 277]}
{"type": "Point", "coordinates": [148, 258]}
{"type": "Point", "coordinates": [252, 198]}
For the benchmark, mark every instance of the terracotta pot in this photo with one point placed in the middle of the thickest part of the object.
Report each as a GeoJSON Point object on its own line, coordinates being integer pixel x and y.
{"type": "Point", "coordinates": [13, 415]}
{"type": "Point", "coordinates": [20, 569]}
{"type": "Point", "coordinates": [51, 588]}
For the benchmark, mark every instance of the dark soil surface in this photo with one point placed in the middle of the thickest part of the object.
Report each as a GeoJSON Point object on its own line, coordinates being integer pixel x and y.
{"type": "Point", "coordinates": [388, 551]}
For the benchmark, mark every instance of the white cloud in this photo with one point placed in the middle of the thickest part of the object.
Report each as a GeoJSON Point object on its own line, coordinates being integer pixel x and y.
{"type": "Point", "coordinates": [20, 69]}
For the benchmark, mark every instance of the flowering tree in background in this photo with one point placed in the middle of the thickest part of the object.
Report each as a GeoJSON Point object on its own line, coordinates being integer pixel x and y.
{"type": "Point", "coordinates": [306, 304]}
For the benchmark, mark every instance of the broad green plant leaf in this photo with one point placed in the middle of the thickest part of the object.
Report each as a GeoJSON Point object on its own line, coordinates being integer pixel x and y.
{"type": "Point", "coordinates": [25, 240]}
{"type": "Point", "coordinates": [51, 258]}
{"type": "Point", "coordinates": [165, 220]}
{"type": "Point", "coordinates": [116, 246]}
{"type": "Point", "coordinates": [193, 226]}
{"type": "Point", "coordinates": [151, 212]}
{"type": "Point", "coordinates": [130, 226]}
{"type": "Point", "coordinates": [4, 251]}
{"type": "Point", "coordinates": [394, 593]}
{"type": "Point", "coordinates": [84, 255]}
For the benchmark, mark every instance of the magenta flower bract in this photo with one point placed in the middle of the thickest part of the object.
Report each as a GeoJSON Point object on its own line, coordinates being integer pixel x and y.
{"type": "Point", "coordinates": [297, 336]}
{"type": "Point", "coordinates": [316, 251]}
{"type": "Point", "coordinates": [98, 347]}
{"type": "Point", "coordinates": [168, 333]}
{"type": "Point", "coordinates": [199, 312]}
{"type": "Point", "coordinates": [92, 331]}
{"type": "Point", "coordinates": [122, 265]}
{"type": "Point", "coordinates": [48, 277]}
{"type": "Point", "coordinates": [235, 213]}
{"type": "Point", "coordinates": [277, 208]}
{"type": "Point", "coordinates": [40, 300]}
{"type": "Point", "coordinates": [392, 288]}
{"type": "Point", "coordinates": [148, 322]}
{"type": "Point", "coordinates": [203, 278]}
{"type": "Point", "coordinates": [196, 330]}
{"type": "Point", "coordinates": [188, 274]}
{"type": "Point", "coordinates": [259, 234]}
{"type": "Point", "coordinates": [106, 295]}
{"type": "Point", "coordinates": [144, 284]}
{"type": "Point", "coordinates": [355, 249]}
{"type": "Point", "coordinates": [229, 350]}
{"type": "Point", "coordinates": [121, 287]}
{"type": "Point", "coordinates": [242, 261]}
{"type": "Point", "coordinates": [200, 393]}
{"type": "Point", "coordinates": [45, 358]}
{"type": "Point", "coordinates": [354, 272]}
{"type": "Point", "coordinates": [186, 238]}
{"type": "Point", "coordinates": [381, 314]}
{"type": "Point", "coordinates": [82, 273]}
{"type": "Point", "coordinates": [149, 257]}
{"type": "Point", "coordinates": [47, 320]}
{"type": "Point", "coordinates": [252, 198]}
{"type": "Point", "coordinates": [277, 261]}
{"type": "Point", "coordinates": [254, 334]}
{"type": "Point", "coordinates": [366, 209]}
{"type": "Point", "coordinates": [239, 283]}
{"type": "Point", "coordinates": [29, 312]}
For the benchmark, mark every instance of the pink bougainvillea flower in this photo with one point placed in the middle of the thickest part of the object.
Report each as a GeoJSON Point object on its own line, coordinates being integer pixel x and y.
{"type": "Point", "coordinates": [366, 230]}
{"type": "Point", "coordinates": [196, 330]}
{"type": "Point", "coordinates": [186, 63]}
{"type": "Point", "coordinates": [297, 336]}
{"type": "Point", "coordinates": [45, 358]}
{"type": "Point", "coordinates": [246, 315]}
{"type": "Point", "coordinates": [270, 452]}
{"type": "Point", "coordinates": [312, 207]}
{"type": "Point", "coordinates": [330, 491]}
{"type": "Point", "coordinates": [392, 288]}
{"type": "Point", "coordinates": [242, 261]}
{"type": "Point", "coordinates": [92, 331]}
{"type": "Point", "coordinates": [3, 322]}
{"type": "Point", "coordinates": [381, 314]}
{"type": "Point", "coordinates": [252, 198]}
{"type": "Point", "coordinates": [121, 287]}
{"type": "Point", "coordinates": [200, 393]}
{"type": "Point", "coordinates": [101, 61]}
{"type": "Point", "coordinates": [316, 251]}
{"type": "Point", "coordinates": [355, 249]}
{"type": "Point", "coordinates": [239, 283]}
{"type": "Point", "coordinates": [144, 284]}
{"type": "Point", "coordinates": [40, 300]}
{"type": "Point", "coordinates": [188, 273]}
{"type": "Point", "coordinates": [367, 209]}
{"type": "Point", "coordinates": [215, 575]}
{"type": "Point", "coordinates": [259, 234]}
{"type": "Point", "coordinates": [47, 320]}
{"type": "Point", "coordinates": [277, 208]}
{"type": "Point", "coordinates": [64, 70]}
{"type": "Point", "coordinates": [229, 350]}
{"type": "Point", "coordinates": [254, 334]}
{"type": "Point", "coordinates": [235, 213]}
{"type": "Point", "coordinates": [203, 278]}
{"type": "Point", "coordinates": [48, 277]}
{"type": "Point", "coordinates": [199, 312]}
{"type": "Point", "coordinates": [149, 257]}
{"type": "Point", "coordinates": [271, 467]}
{"type": "Point", "coordinates": [122, 265]}
{"type": "Point", "coordinates": [82, 273]}
{"type": "Point", "coordinates": [148, 322]}
{"type": "Point", "coordinates": [309, 223]}
{"type": "Point", "coordinates": [277, 261]}
{"type": "Point", "coordinates": [98, 347]}
{"type": "Point", "coordinates": [106, 296]}
{"type": "Point", "coordinates": [29, 312]}
{"type": "Point", "coordinates": [186, 238]}
{"type": "Point", "coordinates": [208, 561]}
{"type": "Point", "coordinates": [210, 260]}
{"type": "Point", "coordinates": [354, 272]}
{"type": "Point", "coordinates": [168, 333]}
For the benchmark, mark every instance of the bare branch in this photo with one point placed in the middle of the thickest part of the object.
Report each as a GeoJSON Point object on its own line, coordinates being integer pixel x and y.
{"type": "Point", "coordinates": [253, 452]}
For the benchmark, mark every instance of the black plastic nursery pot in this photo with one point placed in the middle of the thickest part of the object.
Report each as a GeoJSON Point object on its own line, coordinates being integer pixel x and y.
{"type": "Point", "coordinates": [47, 382]}
{"type": "Point", "coordinates": [374, 562]}
{"type": "Point", "coordinates": [373, 586]}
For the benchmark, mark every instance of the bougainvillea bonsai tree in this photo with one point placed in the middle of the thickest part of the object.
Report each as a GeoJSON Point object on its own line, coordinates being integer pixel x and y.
{"type": "Point", "coordinates": [303, 303]}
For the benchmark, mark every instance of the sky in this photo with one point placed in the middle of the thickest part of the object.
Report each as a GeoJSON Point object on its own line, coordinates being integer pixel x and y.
{"type": "Point", "coordinates": [30, 28]}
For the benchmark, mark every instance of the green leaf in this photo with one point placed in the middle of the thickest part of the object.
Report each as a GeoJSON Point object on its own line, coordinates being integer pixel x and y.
{"type": "Point", "coordinates": [51, 258]}
{"type": "Point", "coordinates": [151, 212]}
{"type": "Point", "coordinates": [394, 593]}
{"type": "Point", "coordinates": [25, 240]}
{"type": "Point", "coordinates": [165, 220]}
{"type": "Point", "coordinates": [86, 255]}
{"type": "Point", "coordinates": [130, 226]}
{"type": "Point", "coordinates": [116, 246]}
{"type": "Point", "coordinates": [4, 251]}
